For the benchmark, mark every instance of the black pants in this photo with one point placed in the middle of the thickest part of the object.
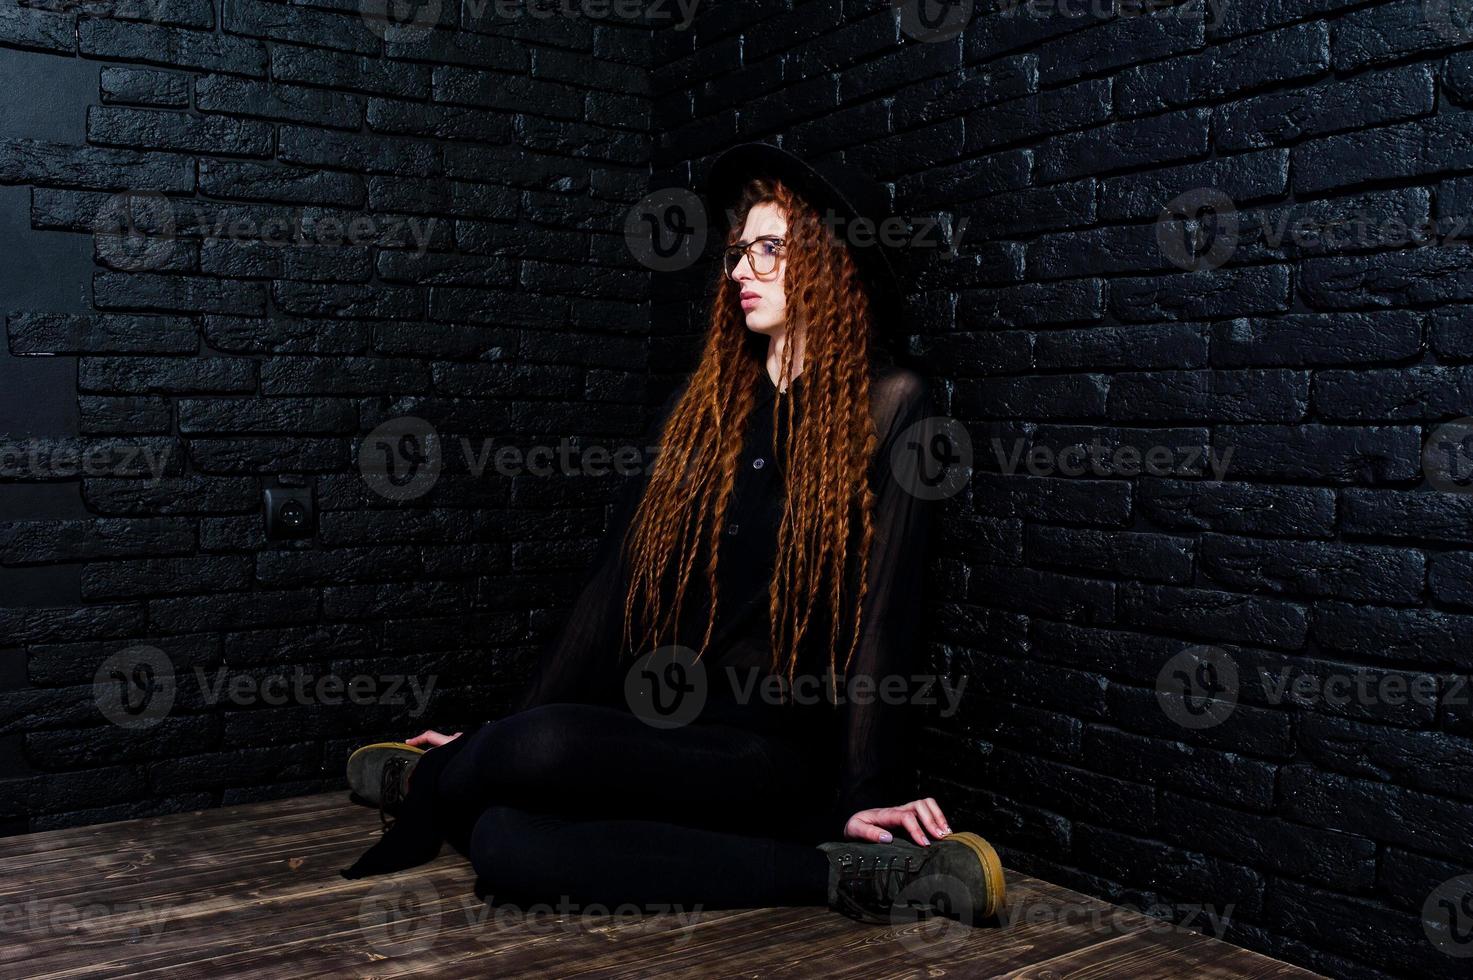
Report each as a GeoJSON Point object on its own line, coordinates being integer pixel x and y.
{"type": "Point", "coordinates": [585, 804]}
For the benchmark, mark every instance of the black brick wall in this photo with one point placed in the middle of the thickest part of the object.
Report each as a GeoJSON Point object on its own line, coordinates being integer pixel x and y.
{"type": "Point", "coordinates": [1048, 145]}
{"type": "Point", "coordinates": [517, 147]}
{"type": "Point", "coordinates": [1316, 371]}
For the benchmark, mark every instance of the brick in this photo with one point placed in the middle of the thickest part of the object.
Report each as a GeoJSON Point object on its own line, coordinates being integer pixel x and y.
{"type": "Point", "coordinates": [1377, 810]}
{"type": "Point", "coordinates": [144, 86]}
{"type": "Point", "coordinates": [170, 47]}
{"type": "Point", "coordinates": [1121, 145]}
{"type": "Point", "coordinates": [301, 415]}
{"type": "Point", "coordinates": [1199, 295]}
{"type": "Point", "coordinates": [1387, 575]}
{"type": "Point", "coordinates": [1277, 118]}
{"type": "Point", "coordinates": [1394, 394]}
{"type": "Point", "coordinates": [1425, 638]}
{"type": "Point", "coordinates": [1042, 396]}
{"type": "Point", "coordinates": [147, 375]}
{"type": "Point", "coordinates": [1239, 508]}
{"type": "Point", "coordinates": [159, 130]}
{"type": "Point", "coordinates": [1337, 860]}
{"type": "Point", "coordinates": [36, 542]}
{"type": "Point", "coordinates": [343, 70]}
{"type": "Point", "coordinates": [80, 333]}
{"type": "Point", "coordinates": [341, 376]}
{"type": "Point", "coordinates": [193, 294]}
{"type": "Point", "coordinates": [37, 30]}
{"type": "Point", "coordinates": [1271, 395]}
{"type": "Point", "coordinates": [1134, 555]}
{"type": "Point", "coordinates": [25, 161]}
{"type": "Point", "coordinates": [1214, 615]}
{"type": "Point", "coordinates": [1323, 453]}
{"type": "Point", "coordinates": [261, 19]}
{"type": "Point", "coordinates": [288, 103]}
{"type": "Point", "coordinates": [1313, 339]}
{"type": "Point", "coordinates": [1294, 54]}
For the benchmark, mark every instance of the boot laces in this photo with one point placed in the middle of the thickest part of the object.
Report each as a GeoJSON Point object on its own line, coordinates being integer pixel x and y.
{"type": "Point", "coordinates": [391, 790]}
{"type": "Point", "coordinates": [872, 881]}
{"type": "Point", "coordinates": [855, 866]}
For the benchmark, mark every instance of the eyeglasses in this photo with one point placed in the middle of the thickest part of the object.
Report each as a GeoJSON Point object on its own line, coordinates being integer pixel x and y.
{"type": "Point", "coordinates": [763, 259]}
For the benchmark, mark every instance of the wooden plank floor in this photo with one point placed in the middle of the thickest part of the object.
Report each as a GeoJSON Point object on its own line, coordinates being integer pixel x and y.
{"type": "Point", "coordinates": [254, 891]}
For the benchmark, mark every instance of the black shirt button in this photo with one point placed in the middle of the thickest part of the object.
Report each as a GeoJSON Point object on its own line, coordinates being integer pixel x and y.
{"type": "Point", "coordinates": [758, 463]}
{"type": "Point", "coordinates": [731, 529]}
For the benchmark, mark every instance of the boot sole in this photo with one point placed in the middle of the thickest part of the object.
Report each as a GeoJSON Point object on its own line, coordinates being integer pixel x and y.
{"type": "Point", "coordinates": [991, 870]}
{"type": "Point", "coordinates": [358, 765]}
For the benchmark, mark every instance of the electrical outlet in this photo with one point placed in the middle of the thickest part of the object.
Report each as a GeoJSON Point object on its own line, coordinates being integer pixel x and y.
{"type": "Point", "coordinates": [290, 513]}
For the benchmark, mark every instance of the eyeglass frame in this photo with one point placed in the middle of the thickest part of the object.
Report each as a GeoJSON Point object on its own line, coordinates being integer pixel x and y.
{"type": "Point", "coordinates": [746, 250]}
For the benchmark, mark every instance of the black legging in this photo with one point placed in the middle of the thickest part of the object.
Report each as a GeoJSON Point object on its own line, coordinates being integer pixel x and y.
{"type": "Point", "coordinates": [588, 804]}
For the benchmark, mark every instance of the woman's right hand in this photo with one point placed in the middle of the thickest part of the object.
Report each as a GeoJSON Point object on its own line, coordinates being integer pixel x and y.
{"type": "Point", "coordinates": [430, 739]}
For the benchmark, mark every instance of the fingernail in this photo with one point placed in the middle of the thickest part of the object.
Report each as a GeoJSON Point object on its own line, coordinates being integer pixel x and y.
{"type": "Point", "coordinates": [885, 836]}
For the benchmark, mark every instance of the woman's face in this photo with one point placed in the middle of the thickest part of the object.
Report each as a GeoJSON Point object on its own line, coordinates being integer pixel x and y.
{"type": "Point", "coordinates": [763, 301]}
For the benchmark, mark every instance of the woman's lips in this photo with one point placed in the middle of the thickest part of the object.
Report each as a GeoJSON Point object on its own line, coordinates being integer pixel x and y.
{"type": "Point", "coordinates": [750, 302]}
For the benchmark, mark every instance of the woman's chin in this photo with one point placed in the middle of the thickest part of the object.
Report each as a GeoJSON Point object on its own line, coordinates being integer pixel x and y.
{"type": "Point", "coordinates": [762, 323]}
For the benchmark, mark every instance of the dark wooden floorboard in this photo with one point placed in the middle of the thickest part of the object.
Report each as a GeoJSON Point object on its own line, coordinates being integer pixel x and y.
{"type": "Point", "coordinates": [253, 891]}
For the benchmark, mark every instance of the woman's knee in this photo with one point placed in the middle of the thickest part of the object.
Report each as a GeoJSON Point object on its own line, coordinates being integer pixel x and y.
{"type": "Point", "coordinates": [544, 742]}
{"type": "Point", "coordinates": [503, 848]}
{"type": "Point", "coordinates": [539, 746]}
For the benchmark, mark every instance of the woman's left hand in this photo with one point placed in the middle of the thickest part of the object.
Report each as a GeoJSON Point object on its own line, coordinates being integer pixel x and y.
{"type": "Point", "coordinates": [918, 818]}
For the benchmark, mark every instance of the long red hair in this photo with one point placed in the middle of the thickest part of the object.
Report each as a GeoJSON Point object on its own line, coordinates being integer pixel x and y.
{"type": "Point", "coordinates": [828, 493]}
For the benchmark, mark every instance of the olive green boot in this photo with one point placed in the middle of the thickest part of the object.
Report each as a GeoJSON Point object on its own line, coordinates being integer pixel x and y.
{"type": "Point", "coordinates": [958, 876]}
{"type": "Point", "coordinates": [378, 775]}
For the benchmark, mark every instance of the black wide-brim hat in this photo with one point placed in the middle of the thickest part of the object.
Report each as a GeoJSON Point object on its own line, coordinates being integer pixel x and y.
{"type": "Point", "coordinates": [832, 189]}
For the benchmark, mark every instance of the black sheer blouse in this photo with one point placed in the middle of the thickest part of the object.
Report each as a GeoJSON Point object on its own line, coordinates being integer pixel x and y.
{"type": "Point", "coordinates": [860, 744]}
